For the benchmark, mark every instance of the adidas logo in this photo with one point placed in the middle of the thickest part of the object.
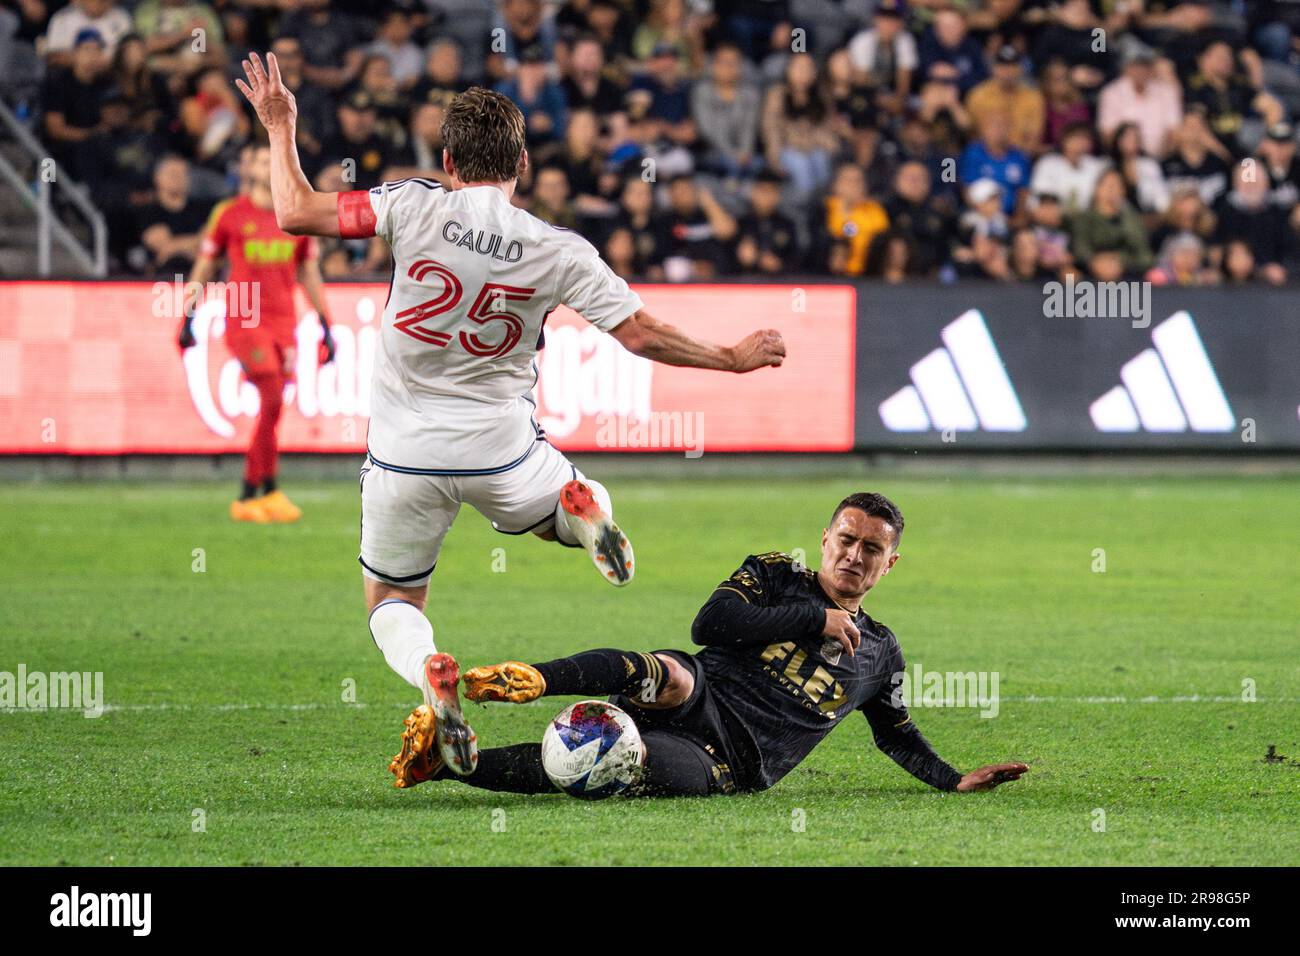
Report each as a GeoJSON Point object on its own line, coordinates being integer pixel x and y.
{"type": "Point", "coordinates": [1169, 388]}
{"type": "Point", "coordinates": [962, 387]}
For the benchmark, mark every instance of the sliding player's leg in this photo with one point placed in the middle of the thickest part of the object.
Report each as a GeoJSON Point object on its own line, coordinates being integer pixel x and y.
{"type": "Point", "coordinates": [547, 496]}
{"type": "Point", "coordinates": [649, 681]}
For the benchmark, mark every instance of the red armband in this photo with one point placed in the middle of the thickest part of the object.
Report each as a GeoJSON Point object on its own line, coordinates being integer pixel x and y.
{"type": "Point", "coordinates": [356, 215]}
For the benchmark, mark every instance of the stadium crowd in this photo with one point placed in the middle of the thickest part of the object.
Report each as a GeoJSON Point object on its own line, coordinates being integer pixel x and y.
{"type": "Point", "coordinates": [950, 139]}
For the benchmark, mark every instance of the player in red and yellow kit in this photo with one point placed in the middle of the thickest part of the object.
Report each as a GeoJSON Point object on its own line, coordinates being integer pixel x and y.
{"type": "Point", "coordinates": [265, 262]}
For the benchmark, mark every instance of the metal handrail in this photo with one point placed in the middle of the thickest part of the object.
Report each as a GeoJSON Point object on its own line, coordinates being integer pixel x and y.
{"type": "Point", "coordinates": [48, 226]}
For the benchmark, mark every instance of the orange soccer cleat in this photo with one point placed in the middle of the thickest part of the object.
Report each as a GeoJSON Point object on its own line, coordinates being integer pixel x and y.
{"type": "Point", "coordinates": [279, 508]}
{"type": "Point", "coordinates": [419, 759]}
{"type": "Point", "coordinates": [249, 509]}
{"type": "Point", "coordinates": [512, 682]}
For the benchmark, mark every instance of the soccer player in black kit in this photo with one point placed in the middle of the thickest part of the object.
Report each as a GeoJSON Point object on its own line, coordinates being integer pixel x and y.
{"type": "Point", "coordinates": [788, 654]}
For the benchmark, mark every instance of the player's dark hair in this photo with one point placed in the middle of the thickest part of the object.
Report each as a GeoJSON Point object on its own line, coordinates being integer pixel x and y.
{"type": "Point", "coordinates": [876, 506]}
{"type": "Point", "coordinates": [484, 132]}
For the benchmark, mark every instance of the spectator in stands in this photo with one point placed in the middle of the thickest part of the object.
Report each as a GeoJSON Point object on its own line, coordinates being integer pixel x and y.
{"type": "Point", "coordinates": [636, 216]}
{"type": "Point", "coordinates": [697, 232]}
{"type": "Point", "coordinates": [941, 108]}
{"type": "Point", "coordinates": [892, 257]}
{"type": "Point", "coordinates": [357, 146]}
{"type": "Point", "coordinates": [524, 24]}
{"type": "Point", "coordinates": [551, 198]}
{"type": "Point", "coordinates": [1107, 239]}
{"type": "Point", "coordinates": [799, 128]}
{"type": "Point", "coordinates": [1063, 102]}
{"type": "Point", "coordinates": [913, 210]}
{"type": "Point", "coordinates": [1182, 262]}
{"type": "Point", "coordinates": [853, 220]}
{"type": "Point", "coordinates": [1187, 212]}
{"type": "Point", "coordinates": [171, 227]}
{"type": "Point", "coordinates": [391, 110]}
{"type": "Point", "coordinates": [145, 93]}
{"type": "Point", "coordinates": [668, 25]}
{"type": "Point", "coordinates": [538, 97]}
{"type": "Point", "coordinates": [393, 42]}
{"type": "Point", "coordinates": [117, 166]}
{"type": "Point", "coordinates": [1008, 93]}
{"type": "Point", "coordinates": [1229, 97]}
{"type": "Point", "coordinates": [1275, 27]}
{"type": "Point", "coordinates": [422, 153]}
{"type": "Point", "coordinates": [330, 40]}
{"type": "Point", "coordinates": [769, 240]}
{"type": "Point", "coordinates": [72, 98]}
{"type": "Point", "coordinates": [885, 56]}
{"type": "Point", "coordinates": [1246, 214]}
{"type": "Point", "coordinates": [613, 26]}
{"type": "Point", "coordinates": [181, 36]}
{"type": "Point", "coordinates": [992, 156]}
{"type": "Point", "coordinates": [1025, 260]}
{"type": "Point", "coordinates": [592, 185]}
{"type": "Point", "coordinates": [443, 77]}
{"type": "Point", "coordinates": [1277, 156]}
{"type": "Point", "coordinates": [1144, 183]}
{"type": "Point", "coordinates": [1238, 262]}
{"type": "Point", "coordinates": [316, 121]}
{"type": "Point", "coordinates": [1047, 220]}
{"type": "Point", "coordinates": [214, 124]}
{"type": "Point", "coordinates": [105, 17]}
{"type": "Point", "coordinates": [947, 40]}
{"type": "Point", "coordinates": [1139, 96]}
{"type": "Point", "coordinates": [1070, 34]}
{"type": "Point", "coordinates": [589, 86]}
{"type": "Point", "coordinates": [758, 26]}
{"type": "Point", "coordinates": [726, 111]}
{"type": "Point", "coordinates": [983, 233]}
{"type": "Point", "coordinates": [663, 93]}
{"type": "Point", "coordinates": [620, 253]}
{"type": "Point", "coordinates": [1071, 174]}
{"type": "Point", "coordinates": [853, 106]}
{"type": "Point", "coordinates": [1198, 160]}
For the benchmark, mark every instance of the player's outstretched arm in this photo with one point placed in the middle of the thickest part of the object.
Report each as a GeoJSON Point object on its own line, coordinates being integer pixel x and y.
{"type": "Point", "coordinates": [642, 334]}
{"type": "Point", "coordinates": [299, 209]}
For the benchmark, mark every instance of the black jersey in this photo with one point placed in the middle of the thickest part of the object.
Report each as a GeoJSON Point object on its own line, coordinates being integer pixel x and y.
{"type": "Point", "coordinates": [785, 687]}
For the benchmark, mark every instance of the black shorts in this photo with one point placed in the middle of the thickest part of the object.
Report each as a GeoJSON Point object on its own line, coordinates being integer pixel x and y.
{"type": "Point", "coordinates": [698, 720]}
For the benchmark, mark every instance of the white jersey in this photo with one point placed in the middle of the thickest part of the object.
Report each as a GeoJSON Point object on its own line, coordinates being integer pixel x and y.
{"type": "Point", "coordinates": [474, 278]}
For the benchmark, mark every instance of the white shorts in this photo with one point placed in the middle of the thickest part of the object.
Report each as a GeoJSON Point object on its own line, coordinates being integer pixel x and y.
{"type": "Point", "coordinates": [405, 515]}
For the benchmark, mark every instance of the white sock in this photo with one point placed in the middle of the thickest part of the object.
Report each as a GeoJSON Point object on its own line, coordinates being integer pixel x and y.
{"type": "Point", "coordinates": [405, 636]}
{"type": "Point", "coordinates": [601, 495]}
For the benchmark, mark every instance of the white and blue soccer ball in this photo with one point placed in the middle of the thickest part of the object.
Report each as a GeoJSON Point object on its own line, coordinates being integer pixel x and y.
{"type": "Point", "coordinates": [592, 750]}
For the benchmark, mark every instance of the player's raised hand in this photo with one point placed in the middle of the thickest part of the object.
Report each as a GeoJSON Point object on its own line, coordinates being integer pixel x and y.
{"type": "Point", "coordinates": [986, 778]}
{"type": "Point", "coordinates": [839, 626]}
{"type": "Point", "coordinates": [759, 350]}
{"type": "Point", "coordinates": [273, 101]}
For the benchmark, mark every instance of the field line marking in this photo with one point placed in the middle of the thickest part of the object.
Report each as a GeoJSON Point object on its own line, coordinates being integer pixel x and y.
{"type": "Point", "coordinates": [320, 705]}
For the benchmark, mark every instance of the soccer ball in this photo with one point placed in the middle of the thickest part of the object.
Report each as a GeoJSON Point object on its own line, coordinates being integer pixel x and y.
{"type": "Point", "coordinates": [592, 750]}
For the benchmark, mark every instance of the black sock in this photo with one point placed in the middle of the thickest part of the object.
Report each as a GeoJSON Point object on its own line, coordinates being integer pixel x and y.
{"type": "Point", "coordinates": [268, 486]}
{"type": "Point", "coordinates": [606, 671]}
{"type": "Point", "coordinates": [516, 769]}
{"type": "Point", "coordinates": [249, 491]}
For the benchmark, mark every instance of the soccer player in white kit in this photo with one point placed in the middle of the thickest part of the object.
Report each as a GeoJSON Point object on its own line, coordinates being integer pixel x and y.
{"type": "Point", "coordinates": [451, 422]}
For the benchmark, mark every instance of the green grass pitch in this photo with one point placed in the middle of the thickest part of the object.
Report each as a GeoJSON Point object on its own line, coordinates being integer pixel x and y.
{"type": "Point", "coordinates": [228, 739]}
